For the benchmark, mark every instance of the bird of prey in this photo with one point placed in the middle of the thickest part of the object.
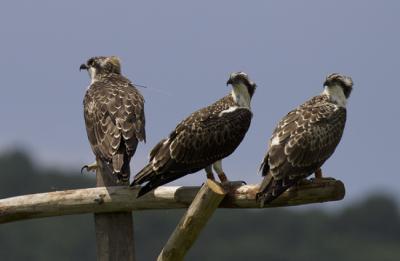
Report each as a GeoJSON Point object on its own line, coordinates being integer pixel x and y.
{"type": "Point", "coordinates": [305, 138]}
{"type": "Point", "coordinates": [114, 116]}
{"type": "Point", "coordinates": [202, 140]}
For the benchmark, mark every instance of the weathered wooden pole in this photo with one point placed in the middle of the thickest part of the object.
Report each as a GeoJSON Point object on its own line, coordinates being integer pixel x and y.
{"type": "Point", "coordinates": [123, 199]}
{"type": "Point", "coordinates": [114, 231]}
{"type": "Point", "coordinates": [199, 212]}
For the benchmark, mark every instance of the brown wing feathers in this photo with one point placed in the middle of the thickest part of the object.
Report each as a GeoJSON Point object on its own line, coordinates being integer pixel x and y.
{"type": "Point", "coordinates": [307, 137]}
{"type": "Point", "coordinates": [114, 116]}
{"type": "Point", "coordinates": [200, 140]}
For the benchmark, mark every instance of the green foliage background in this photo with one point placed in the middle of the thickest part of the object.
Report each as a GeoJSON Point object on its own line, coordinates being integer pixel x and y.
{"type": "Point", "coordinates": [369, 230]}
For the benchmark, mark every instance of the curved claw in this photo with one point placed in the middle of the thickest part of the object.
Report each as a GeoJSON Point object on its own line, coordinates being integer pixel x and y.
{"type": "Point", "coordinates": [237, 183]}
{"type": "Point", "coordinates": [232, 185]}
{"type": "Point", "coordinates": [243, 182]}
{"type": "Point", "coordinates": [83, 168]}
{"type": "Point", "coordinates": [90, 167]}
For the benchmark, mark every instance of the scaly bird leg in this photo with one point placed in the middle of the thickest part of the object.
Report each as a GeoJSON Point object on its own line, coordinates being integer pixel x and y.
{"type": "Point", "coordinates": [222, 177]}
{"type": "Point", "coordinates": [319, 177]}
{"type": "Point", "coordinates": [90, 167]}
{"type": "Point", "coordinates": [210, 174]}
{"type": "Point", "coordinates": [318, 173]}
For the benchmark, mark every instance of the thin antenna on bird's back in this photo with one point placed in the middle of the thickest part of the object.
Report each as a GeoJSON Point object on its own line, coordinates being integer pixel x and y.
{"type": "Point", "coordinates": [138, 85]}
{"type": "Point", "coordinates": [153, 89]}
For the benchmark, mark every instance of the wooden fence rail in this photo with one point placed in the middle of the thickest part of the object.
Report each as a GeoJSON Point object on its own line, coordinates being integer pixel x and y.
{"type": "Point", "coordinates": [122, 199]}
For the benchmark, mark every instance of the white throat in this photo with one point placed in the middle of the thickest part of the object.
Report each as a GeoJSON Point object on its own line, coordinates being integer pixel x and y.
{"type": "Point", "coordinates": [241, 95]}
{"type": "Point", "coordinates": [336, 95]}
{"type": "Point", "coordinates": [92, 74]}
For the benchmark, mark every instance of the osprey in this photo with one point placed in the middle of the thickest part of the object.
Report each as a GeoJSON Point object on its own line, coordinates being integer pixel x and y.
{"type": "Point", "coordinates": [305, 138]}
{"type": "Point", "coordinates": [114, 116]}
{"type": "Point", "coordinates": [202, 140]}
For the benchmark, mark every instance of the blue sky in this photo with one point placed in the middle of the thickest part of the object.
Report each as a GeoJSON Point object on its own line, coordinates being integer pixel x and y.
{"type": "Point", "coordinates": [184, 51]}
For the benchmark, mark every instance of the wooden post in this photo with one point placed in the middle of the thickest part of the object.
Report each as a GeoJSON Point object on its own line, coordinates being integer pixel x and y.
{"type": "Point", "coordinates": [114, 231]}
{"type": "Point", "coordinates": [199, 212]}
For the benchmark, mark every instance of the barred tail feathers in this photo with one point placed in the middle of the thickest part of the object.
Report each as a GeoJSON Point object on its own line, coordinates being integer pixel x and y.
{"type": "Point", "coordinates": [120, 167]}
{"type": "Point", "coordinates": [271, 188]}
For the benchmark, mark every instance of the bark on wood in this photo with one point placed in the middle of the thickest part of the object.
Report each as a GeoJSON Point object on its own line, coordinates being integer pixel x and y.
{"type": "Point", "coordinates": [114, 231]}
{"type": "Point", "coordinates": [122, 198]}
{"type": "Point", "coordinates": [199, 212]}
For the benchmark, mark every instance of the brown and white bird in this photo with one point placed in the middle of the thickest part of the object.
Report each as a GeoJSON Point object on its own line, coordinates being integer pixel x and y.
{"type": "Point", "coordinates": [202, 140]}
{"type": "Point", "coordinates": [305, 138]}
{"type": "Point", "coordinates": [114, 116]}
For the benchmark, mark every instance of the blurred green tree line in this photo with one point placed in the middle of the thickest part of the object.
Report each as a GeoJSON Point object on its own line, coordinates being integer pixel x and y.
{"type": "Point", "coordinates": [368, 230]}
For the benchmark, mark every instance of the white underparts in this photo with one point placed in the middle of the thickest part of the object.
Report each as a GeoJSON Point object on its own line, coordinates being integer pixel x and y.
{"type": "Point", "coordinates": [335, 93]}
{"type": "Point", "coordinates": [241, 96]}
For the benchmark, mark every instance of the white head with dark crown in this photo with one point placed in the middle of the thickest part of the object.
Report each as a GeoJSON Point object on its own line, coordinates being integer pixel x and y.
{"type": "Point", "coordinates": [101, 66]}
{"type": "Point", "coordinates": [338, 87]}
{"type": "Point", "coordinates": [242, 88]}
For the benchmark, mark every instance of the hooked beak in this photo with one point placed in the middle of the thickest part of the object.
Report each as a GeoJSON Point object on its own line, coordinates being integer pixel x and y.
{"type": "Point", "coordinates": [83, 67]}
{"type": "Point", "coordinates": [229, 82]}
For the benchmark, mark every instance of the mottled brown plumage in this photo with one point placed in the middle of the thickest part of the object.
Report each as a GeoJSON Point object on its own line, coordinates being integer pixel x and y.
{"type": "Point", "coordinates": [205, 137]}
{"type": "Point", "coordinates": [114, 115]}
{"type": "Point", "coordinates": [305, 138]}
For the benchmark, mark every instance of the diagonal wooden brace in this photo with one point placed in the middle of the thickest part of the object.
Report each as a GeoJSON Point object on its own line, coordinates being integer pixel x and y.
{"type": "Point", "coordinates": [187, 231]}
